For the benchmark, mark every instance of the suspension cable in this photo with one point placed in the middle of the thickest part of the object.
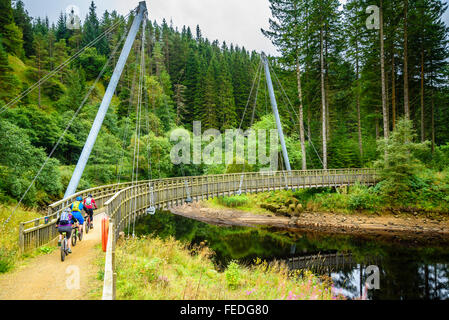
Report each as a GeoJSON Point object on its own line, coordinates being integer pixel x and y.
{"type": "Point", "coordinates": [258, 77]}
{"type": "Point", "coordinates": [67, 128]}
{"type": "Point", "coordinates": [291, 105]}
{"type": "Point", "coordinates": [139, 116]}
{"type": "Point", "coordinates": [61, 66]}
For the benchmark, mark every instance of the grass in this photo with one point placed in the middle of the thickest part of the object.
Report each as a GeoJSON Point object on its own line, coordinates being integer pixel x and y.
{"type": "Point", "coordinates": [156, 269]}
{"type": "Point", "coordinates": [357, 199]}
{"type": "Point", "coordinates": [248, 203]}
{"type": "Point", "coordinates": [9, 237]}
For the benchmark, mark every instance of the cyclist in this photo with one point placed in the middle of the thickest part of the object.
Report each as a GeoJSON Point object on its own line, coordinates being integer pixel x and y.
{"type": "Point", "coordinates": [77, 208]}
{"type": "Point", "coordinates": [89, 204]}
{"type": "Point", "coordinates": [64, 224]}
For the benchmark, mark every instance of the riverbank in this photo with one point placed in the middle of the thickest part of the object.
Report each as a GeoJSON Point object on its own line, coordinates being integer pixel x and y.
{"type": "Point", "coordinates": [151, 268]}
{"type": "Point", "coordinates": [399, 227]}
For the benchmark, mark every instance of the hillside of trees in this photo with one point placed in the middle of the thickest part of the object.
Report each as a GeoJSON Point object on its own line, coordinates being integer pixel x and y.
{"type": "Point", "coordinates": [348, 85]}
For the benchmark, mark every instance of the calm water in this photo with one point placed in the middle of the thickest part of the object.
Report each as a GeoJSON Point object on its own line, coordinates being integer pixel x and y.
{"type": "Point", "coordinates": [406, 271]}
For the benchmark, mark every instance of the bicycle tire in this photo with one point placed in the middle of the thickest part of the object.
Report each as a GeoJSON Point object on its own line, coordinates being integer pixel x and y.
{"type": "Point", "coordinates": [74, 236]}
{"type": "Point", "coordinates": [87, 226]}
{"type": "Point", "coordinates": [80, 234]}
{"type": "Point", "coordinates": [63, 249]}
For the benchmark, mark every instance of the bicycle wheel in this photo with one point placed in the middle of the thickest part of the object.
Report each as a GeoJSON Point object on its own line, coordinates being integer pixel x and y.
{"type": "Point", "coordinates": [80, 234]}
{"type": "Point", "coordinates": [63, 249]}
{"type": "Point", "coordinates": [87, 225]}
{"type": "Point", "coordinates": [74, 237]}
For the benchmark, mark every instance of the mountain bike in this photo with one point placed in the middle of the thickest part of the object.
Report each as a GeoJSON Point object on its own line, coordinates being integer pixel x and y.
{"type": "Point", "coordinates": [64, 246]}
{"type": "Point", "coordinates": [76, 235]}
{"type": "Point", "coordinates": [89, 224]}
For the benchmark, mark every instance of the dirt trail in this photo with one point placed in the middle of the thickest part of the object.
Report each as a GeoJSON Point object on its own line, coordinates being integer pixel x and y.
{"type": "Point", "coordinates": [47, 278]}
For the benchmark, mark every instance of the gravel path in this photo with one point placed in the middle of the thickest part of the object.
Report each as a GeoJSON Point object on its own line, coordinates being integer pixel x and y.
{"type": "Point", "coordinates": [47, 278]}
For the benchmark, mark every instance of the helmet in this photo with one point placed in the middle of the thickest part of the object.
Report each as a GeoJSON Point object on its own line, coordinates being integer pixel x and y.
{"type": "Point", "coordinates": [89, 195]}
{"type": "Point", "coordinates": [79, 199]}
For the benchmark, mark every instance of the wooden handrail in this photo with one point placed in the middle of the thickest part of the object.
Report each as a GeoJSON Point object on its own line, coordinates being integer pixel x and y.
{"type": "Point", "coordinates": [118, 198]}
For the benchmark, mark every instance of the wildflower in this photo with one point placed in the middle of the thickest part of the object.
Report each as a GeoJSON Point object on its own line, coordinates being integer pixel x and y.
{"type": "Point", "coordinates": [248, 293]}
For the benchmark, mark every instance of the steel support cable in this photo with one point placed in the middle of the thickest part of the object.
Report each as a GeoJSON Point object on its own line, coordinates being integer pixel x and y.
{"type": "Point", "coordinates": [141, 84]}
{"type": "Point", "coordinates": [250, 93]}
{"type": "Point", "coordinates": [151, 209]}
{"type": "Point", "coordinates": [125, 134]}
{"type": "Point", "coordinates": [189, 198]}
{"type": "Point", "coordinates": [251, 124]}
{"type": "Point", "coordinates": [60, 67]}
{"type": "Point", "coordinates": [100, 75]}
{"type": "Point", "coordinates": [291, 105]}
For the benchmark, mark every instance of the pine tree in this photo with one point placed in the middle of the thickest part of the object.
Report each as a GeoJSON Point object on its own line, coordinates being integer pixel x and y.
{"type": "Point", "coordinates": [23, 21]}
{"type": "Point", "coordinates": [8, 82]}
{"type": "Point", "coordinates": [208, 109]}
{"type": "Point", "coordinates": [91, 27]}
{"type": "Point", "coordinates": [10, 32]}
{"type": "Point", "coordinates": [62, 32]}
{"type": "Point", "coordinates": [227, 117]}
{"type": "Point", "coordinates": [40, 60]}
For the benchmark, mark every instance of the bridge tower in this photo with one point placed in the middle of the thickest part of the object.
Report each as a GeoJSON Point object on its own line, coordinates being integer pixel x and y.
{"type": "Point", "coordinates": [90, 142]}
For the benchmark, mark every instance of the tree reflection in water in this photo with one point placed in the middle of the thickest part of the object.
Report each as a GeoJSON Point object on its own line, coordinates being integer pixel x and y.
{"type": "Point", "coordinates": [407, 271]}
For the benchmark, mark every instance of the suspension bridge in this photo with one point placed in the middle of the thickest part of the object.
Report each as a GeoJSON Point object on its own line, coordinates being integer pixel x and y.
{"type": "Point", "coordinates": [125, 203]}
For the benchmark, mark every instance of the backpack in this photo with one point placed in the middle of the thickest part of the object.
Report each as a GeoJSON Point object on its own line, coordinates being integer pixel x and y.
{"type": "Point", "coordinates": [76, 206]}
{"type": "Point", "coordinates": [88, 201]}
{"type": "Point", "coordinates": [65, 218]}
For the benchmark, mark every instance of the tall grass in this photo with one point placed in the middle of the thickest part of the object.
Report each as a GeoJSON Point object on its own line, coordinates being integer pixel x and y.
{"type": "Point", "coordinates": [156, 269]}
{"type": "Point", "coordinates": [9, 235]}
{"type": "Point", "coordinates": [233, 202]}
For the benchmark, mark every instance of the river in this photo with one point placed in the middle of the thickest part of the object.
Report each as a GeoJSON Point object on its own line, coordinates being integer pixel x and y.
{"type": "Point", "coordinates": [404, 270]}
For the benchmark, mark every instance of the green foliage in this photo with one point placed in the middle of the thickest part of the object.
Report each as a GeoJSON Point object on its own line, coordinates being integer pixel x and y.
{"type": "Point", "coordinates": [233, 275]}
{"type": "Point", "coordinates": [92, 62]}
{"type": "Point", "coordinates": [21, 162]}
{"type": "Point", "coordinates": [398, 162]}
{"type": "Point", "coordinates": [363, 198]}
{"type": "Point", "coordinates": [6, 260]}
{"type": "Point", "coordinates": [46, 250]}
{"type": "Point", "coordinates": [233, 202]}
{"type": "Point", "coordinates": [8, 81]}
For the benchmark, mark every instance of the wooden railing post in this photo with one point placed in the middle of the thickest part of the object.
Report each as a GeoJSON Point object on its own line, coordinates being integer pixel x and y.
{"type": "Point", "coordinates": [21, 238]}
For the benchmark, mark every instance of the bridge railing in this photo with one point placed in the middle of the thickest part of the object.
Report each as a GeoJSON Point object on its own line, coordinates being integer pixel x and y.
{"type": "Point", "coordinates": [40, 231]}
{"type": "Point", "coordinates": [128, 205]}
{"type": "Point", "coordinates": [131, 203]}
{"type": "Point", "coordinates": [174, 191]}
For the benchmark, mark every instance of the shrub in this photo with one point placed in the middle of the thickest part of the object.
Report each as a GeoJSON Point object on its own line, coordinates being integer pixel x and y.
{"type": "Point", "coordinates": [233, 275]}
{"type": "Point", "coordinates": [233, 202]}
{"type": "Point", "coordinates": [398, 162]}
{"type": "Point", "coordinates": [331, 201]}
{"type": "Point", "coordinates": [6, 260]}
{"type": "Point", "coordinates": [362, 198]}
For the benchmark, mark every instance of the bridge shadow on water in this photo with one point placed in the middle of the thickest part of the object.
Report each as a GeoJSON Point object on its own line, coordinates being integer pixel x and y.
{"type": "Point", "coordinates": [406, 270]}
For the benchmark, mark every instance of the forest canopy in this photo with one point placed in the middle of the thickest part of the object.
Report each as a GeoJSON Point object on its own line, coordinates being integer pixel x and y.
{"type": "Point", "coordinates": [349, 87]}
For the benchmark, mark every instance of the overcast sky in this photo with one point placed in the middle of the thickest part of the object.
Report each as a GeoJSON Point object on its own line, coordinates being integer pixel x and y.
{"type": "Point", "coordinates": [233, 21]}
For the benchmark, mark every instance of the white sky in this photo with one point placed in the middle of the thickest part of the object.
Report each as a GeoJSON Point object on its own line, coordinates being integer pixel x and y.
{"type": "Point", "coordinates": [233, 21]}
